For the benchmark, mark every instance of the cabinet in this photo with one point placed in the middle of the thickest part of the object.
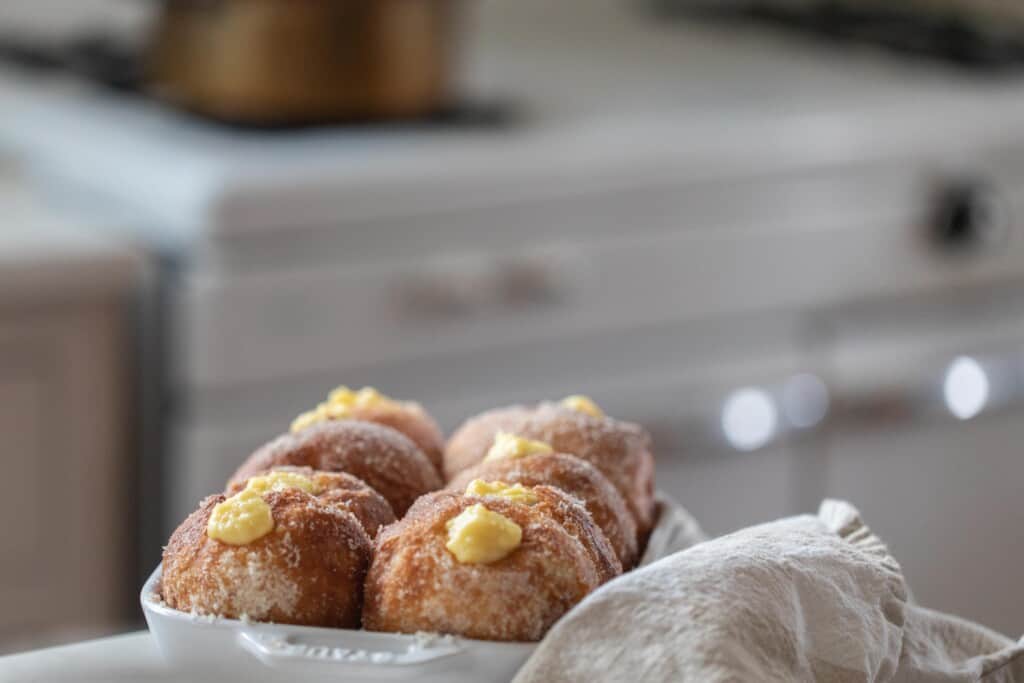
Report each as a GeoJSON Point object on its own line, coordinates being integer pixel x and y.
{"type": "Point", "coordinates": [68, 489]}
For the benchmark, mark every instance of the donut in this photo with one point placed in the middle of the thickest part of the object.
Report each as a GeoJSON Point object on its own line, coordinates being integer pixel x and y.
{"type": "Point", "coordinates": [486, 568]}
{"type": "Point", "coordinates": [471, 441]}
{"type": "Point", "coordinates": [380, 456]}
{"type": "Point", "coordinates": [574, 476]}
{"type": "Point", "coordinates": [564, 508]}
{"type": "Point", "coordinates": [333, 488]}
{"type": "Point", "coordinates": [620, 450]}
{"type": "Point", "coordinates": [370, 405]}
{"type": "Point", "coordinates": [280, 556]}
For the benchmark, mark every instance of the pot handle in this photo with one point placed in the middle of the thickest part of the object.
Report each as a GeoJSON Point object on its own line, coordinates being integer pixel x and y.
{"type": "Point", "coordinates": [278, 651]}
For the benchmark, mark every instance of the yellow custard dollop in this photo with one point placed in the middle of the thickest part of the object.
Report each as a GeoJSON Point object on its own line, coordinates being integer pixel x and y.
{"type": "Point", "coordinates": [511, 446]}
{"type": "Point", "coordinates": [280, 481]}
{"type": "Point", "coordinates": [241, 519]}
{"type": "Point", "coordinates": [342, 404]}
{"type": "Point", "coordinates": [514, 492]}
{"type": "Point", "coordinates": [480, 536]}
{"type": "Point", "coordinates": [582, 404]}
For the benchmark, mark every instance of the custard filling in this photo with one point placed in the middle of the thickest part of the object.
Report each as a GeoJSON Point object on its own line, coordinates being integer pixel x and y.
{"type": "Point", "coordinates": [241, 519]}
{"type": "Point", "coordinates": [511, 446]}
{"type": "Point", "coordinates": [582, 404]}
{"type": "Point", "coordinates": [480, 536]}
{"type": "Point", "coordinates": [342, 404]}
{"type": "Point", "coordinates": [515, 492]}
{"type": "Point", "coordinates": [280, 481]}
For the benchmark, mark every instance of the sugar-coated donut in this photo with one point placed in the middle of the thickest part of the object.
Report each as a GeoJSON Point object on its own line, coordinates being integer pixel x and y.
{"type": "Point", "coordinates": [369, 405]}
{"type": "Point", "coordinates": [620, 450]}
{"type": "Point", "coordinates": [334, 488]}
{"type": "Point", "coordinates": [470, 442]}
{"type": "Point", "coordinates": [572, 475]}
{"type": "Point", "coordinates": [306, 567]}
{"type": "Point", "coordinates": [572, 514]}
{"type": "Point", "coordinates": [382, 457]}
{"type": "Point", "coordinates": [416, 583]}
{"type": "Point", "coordinates": [566, 509]}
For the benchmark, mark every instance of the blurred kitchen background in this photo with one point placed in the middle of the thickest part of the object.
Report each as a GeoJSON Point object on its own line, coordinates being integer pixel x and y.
{"type": "Point", "coordinates": [787, 236]}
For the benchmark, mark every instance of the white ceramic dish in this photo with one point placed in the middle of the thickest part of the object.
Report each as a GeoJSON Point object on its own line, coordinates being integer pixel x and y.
{"type": "Point", "coordinates": [256, 651]}
{"type": "Point", "coordinates": [229, 649]}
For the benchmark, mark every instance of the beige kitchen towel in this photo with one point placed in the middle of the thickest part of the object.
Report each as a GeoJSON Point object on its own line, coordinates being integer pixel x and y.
{"type": "Point", "coordinates": [809, 598]}
{"type": "Point", "coordinates": [675, 530]}
{"type": "Point", "coordinates": [942, 648]}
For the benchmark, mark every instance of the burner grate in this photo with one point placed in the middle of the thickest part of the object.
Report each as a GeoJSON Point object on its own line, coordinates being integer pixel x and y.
{"type": "Point", "coordinates": [970, 33]}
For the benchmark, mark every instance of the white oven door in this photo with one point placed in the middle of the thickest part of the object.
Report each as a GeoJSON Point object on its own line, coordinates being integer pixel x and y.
{"type": "Point", "coordinates": [928, 446]}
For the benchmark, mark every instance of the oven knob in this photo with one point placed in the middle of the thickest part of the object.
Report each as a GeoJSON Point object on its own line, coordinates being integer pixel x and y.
{"type": "Point", "coordinates": [969, 215]}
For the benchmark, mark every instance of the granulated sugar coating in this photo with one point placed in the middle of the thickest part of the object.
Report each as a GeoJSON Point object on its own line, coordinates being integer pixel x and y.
{"type": "Point", "coordinates": [570, 512]}
{"type": "Point", "coordinates": [408, 417]}
{"type": "Point", "coordinates": [309, 570]}
{"type": "Point", "coordinates": [572, 475]}
{"type": "Point", "coordinates": [382, 457]}
{"type": "Point", "coordinates": [468, 445]}
{"type": "Point", "coordinates": [341, 490]}
{"type": "Point", "coordinates": [416, 584]}
{"type": "Point", "coordinates": [620, 450]}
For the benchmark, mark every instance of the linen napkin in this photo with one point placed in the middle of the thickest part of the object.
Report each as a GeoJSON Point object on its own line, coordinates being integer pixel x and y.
{"type": "Point", "coordinates": [808, 598]}
{"type": "Point", "coordinates": [675, 530]}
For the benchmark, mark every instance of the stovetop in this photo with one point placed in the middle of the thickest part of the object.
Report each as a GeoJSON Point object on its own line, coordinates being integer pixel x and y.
{"type": "Point", "coordinates": [602, 96]}
{"type": "Point", "coordinates": [956, 31]}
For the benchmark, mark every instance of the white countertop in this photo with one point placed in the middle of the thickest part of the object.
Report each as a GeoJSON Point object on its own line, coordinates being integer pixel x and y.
{"type": "Point", "coordinates": [47, 251]}
{"type": "Point", "coordinates": [48, 256]}
{"type": "Point", "coordinates": [131, 657]}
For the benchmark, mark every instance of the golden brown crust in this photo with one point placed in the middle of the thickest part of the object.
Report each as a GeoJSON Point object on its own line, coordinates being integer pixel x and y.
{"type": "Point", "coordinates": [469, 443]}
{"type": "Point", "coordinates": [621, 450]}
{"type": "Point", "coordinates": [413, 421]}
{"type": "Point", "coordinates": [415, 584]}
{"type": "Point", "coordinates": [572, 475]}
{"type": "Point", "coordinates": [309, 570]}
{"type": "Point", "coordinates": [382, 457]}
{"type": "Point", "coordinates": [341, 490]}
{"type": "Point", "coordinates": [571, 513]}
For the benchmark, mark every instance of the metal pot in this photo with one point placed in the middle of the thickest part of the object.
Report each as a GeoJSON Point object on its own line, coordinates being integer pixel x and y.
{"type": "Point", "coordinates": [305, 61]}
